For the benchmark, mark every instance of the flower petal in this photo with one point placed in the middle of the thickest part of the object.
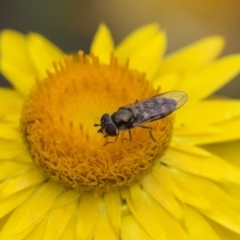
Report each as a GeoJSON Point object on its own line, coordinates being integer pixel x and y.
{"type": "Point", "coordinates": [11, 149]}
{"type": "Point", "coordinates": [204, 166]}
{"type": "Point", "coordinates": [131, 230]}
{"type": "Point", "coordinates": [225, 131]}
{"type": "Point", "coordinates": [15, 64]}
{"type": "Point", "coordinates": [28, 214]}
{"type": "Point", "coordinates": [168, 82]}
{"type": "Point", "coordinates": [214, 76]}
{"type": "Point", "coordinates": [10, 132]}
{"type": "Point", "coordinates": [192, 57]}
{"type": "Point", "coordinates": [11, 202]}
{"type": "Point", "coordinates": [25, 179]}
{"type": "Point", "coordinates": [201, 227]}
{"type": "Point", "coordinates": [113, 205]}
{"type": "Point", "coordinates": [144, 216]}
{"type": "Point", "coordinates": [56, 222]}
{"type": "Point", "coordinates": [23, 157]}
{"type": "Point", "coordinates": [225, 212]}
{"type": "Point", "coordinates": [42, 53]}
{"type": "Point", "coordinates": [160, 193]}
{"type": "Point", "coordinates": [208, 112]}
{"type": "Point", "coordinates": [228, 150]}
{"type": "Point", "coordinates": [136, 40]}
{"type": "Point", "coordinates": [9, 168]}
{"type": "Point", "coordinates": [38, 231]}
{"type": "Point", "coordinates": [102, 44]}
{"type": "Point", "coordinates": [103, 228]}
{"type": "Point", "coordinates": [209, 121]}
{"type": "Point", "coordinates": [184, 194]}
{"type": "Point", "coordinates": [87, 215]}
{"type": "Point", "coordinates": [223, 232]}
{"type": "Point", "coordinates": [145, 43]}
{"type": "Point", "coordinates": [152, 216]}
{"type": "Point", "coordinates": [187, 147]}
{"type": "Point", "coordinates": [69, 232]}
{"type": "Point", "coordinates": [10, 103]}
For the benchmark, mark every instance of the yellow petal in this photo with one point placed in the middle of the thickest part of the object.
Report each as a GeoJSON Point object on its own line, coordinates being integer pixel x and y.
{"type": "Point", "coordinates": [225, 131]}
{"type": "Point", "coordinates": [102, 44]}
{"type": "Point", "coordinates": [9, 168]}
{"type": "Point", "coordinates": [103, 229]}
{"type": "Point", "coordinates": [70, 230]}
{"type": "Point", "coordinates": [56, 222]}
{"type": "Point", "coordinates": [198, 227]}
{"type": "Point", "coordinates": [233, 190]}
{"type": "Point", "coordinates": [11, 149]}
{"type": "Point", "coordinates": [204, 166]}
{"type": "Point", "coordinates": [11, 202]}
{"type": "Point", "coordinates": [230, 151]}
{"type": "Point", "coordinates": [87, 215]}
{"type": "Point", "coordinates": [113, 205]}
{"type": "Point", "coordinates": [209, 121]}
{"type": "Point", "coordinates": [185, 146]}
{"type": "Point", "coordinates": [208, 112]}
{"type": "Point", "coordinates": [53, 224]}
{"type": "Point", "coordinates": [144, 216]}
{"type": "Point", "coordinates": [182, 192]}
{"type": "Point", "coordinates": [10, 132]}
{"type": "Point", "coordinates": [10, 102]}
{"type": "Point", "coordinates": [194, 56]}
{"type": "Point", "coordinates": [25, 179]}
{"type": "Point", "coordinates": [229, 130]}
{"type": "Point", "coordinates": [152, 216]}
{"type": "Point", "coordinates": [223, 232]}
{"type": "Point", "coordinates": [153, 51]}
{"type": "Point", "coordinates": [28, 214]}
{"type": "Point", "coordinates": [168, 82]}
{"type": "Point", "coordinates": [136, 40]}
{"type": "Point", "coordinates": [15, 64]}
{"type": "Point", "coordinates": [162, 196]}
{"type": "Point", "coordinates": [220, 207]}
{"type": "Point", "coordinates": [38, 232]}
{"type": "Point", "coordinates": [202, 83]}
{"type": "Point", "coordinates": [145, 43]}
{"type": "Point", "coordinates": [66, 198]}
{"type": "Point", "coordinates": [132, 230]}
{"type": "Point", "coordinates": [42, 53]}
{"type": "Point", "coordinates": [23, 157]}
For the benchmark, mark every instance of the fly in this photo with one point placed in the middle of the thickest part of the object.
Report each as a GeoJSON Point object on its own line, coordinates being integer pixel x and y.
{"type": "Point", "coordinates": [139, 113]}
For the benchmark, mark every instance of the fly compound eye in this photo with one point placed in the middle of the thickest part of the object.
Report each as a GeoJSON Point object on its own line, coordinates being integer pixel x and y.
{"type": "Point", "coordinates": [111, 129]}
{"type": "Point", "coordinates": [105, 118]}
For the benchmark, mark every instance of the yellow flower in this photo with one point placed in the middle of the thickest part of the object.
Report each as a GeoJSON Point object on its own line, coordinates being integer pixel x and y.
{"type": "Point", "coordinates": [58, 181]}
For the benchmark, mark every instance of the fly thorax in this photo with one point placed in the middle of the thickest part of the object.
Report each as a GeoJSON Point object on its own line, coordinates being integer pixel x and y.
{"type": "Point", "coordinates": [123, 118]}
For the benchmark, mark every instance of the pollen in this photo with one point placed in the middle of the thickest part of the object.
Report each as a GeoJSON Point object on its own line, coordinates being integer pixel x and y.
{"type": "Point", "coordinates": [58, 120]}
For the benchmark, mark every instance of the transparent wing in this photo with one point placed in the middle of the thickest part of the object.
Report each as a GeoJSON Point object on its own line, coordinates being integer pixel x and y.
{"type": "Point", "coordinates": [178, 96]}
{"type": "Point", "coordinates": [156, 107]}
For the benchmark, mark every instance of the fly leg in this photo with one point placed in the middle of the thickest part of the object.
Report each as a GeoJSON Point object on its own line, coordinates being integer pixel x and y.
{"type": "Point", "coordinates": [150, 132]}
{"type": "Point", "coordinates": [130, 137]}
{"type": "Point", "coordinates": [110, 142]}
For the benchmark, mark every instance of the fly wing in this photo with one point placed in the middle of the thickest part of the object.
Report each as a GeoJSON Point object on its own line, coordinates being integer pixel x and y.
{"type": "Point", "coordinates": [156, 107]}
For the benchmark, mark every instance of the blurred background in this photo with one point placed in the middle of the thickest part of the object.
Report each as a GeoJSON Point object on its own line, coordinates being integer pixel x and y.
{"type": "Point", "coordinates": [71, 24]}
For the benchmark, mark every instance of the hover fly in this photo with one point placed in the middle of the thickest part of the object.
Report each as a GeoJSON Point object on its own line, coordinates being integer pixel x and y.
{"type": "Point", "coordinates": [139, 113]}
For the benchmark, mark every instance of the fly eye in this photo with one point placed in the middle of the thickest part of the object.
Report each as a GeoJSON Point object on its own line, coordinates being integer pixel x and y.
{"type": "Point", "coordinates": [105, 117]}
{"type": "Point", "coordinates": [111, 130]}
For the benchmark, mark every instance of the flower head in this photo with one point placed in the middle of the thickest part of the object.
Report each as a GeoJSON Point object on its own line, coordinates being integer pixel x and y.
{"type": "Point", "coordinates": [54, 163]}
{"type": "Point", "coordinates": [57, 124]}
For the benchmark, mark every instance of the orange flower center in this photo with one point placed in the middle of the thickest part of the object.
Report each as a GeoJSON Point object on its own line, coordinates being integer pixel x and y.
{"type": "Point", "coordinates": [59, 114]}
